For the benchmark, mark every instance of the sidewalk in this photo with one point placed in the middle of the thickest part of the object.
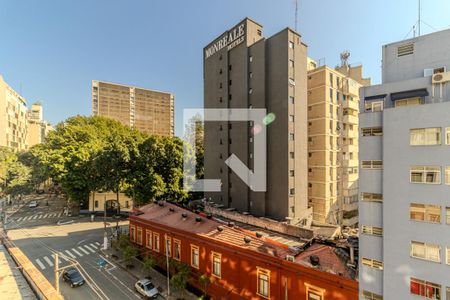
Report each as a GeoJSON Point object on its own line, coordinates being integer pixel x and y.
{"type": "Point", "coordinates": [159, 280]}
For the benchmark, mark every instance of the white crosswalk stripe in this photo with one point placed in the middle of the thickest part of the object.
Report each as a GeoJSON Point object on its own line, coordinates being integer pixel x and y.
{"type": "Point", "coordinates": [35, 217]}
{"type": "Point", "coordinates": [97, 243]}
{"type": "Point", "coordinates": [18, 220]}
{"type": "Point", "coordinates": [40, 216]}
{"type": "Point", "coordinates": [82, 249]}
{"type": "Point", "coordinates": [45, 216]}
{"type": "Point", "coordinates": [76, 252]}
{"type": "Point", "coordinates": [41, 265]}
{"type": "Point", "coordinates": [90, 249]}
{"type": "Point", "coordinates": [59, 260]}
{"type": "Point", "coordinates": [70, 254]}
{"type": "Point", "coordinates": [47, 260]}
{"type": "Point", "coordinates": [93, 246]}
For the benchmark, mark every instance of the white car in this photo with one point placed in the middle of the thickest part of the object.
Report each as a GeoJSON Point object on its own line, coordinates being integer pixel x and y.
{"type": "Point", "coordinates": [33, 204]}
{"type": "Point", "coordinates": [146, 288]}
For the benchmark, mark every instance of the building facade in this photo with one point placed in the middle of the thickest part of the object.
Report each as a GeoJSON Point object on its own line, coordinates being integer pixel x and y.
{"type": "Point", "coordinates": [13, 118]}
{"type": "Point", "coordinates": [404, 173]}
{"type": "Point", "coordinates": [242, 69]}
{"type": "Point", "coordinates": [146, 110]}
{"type": "Point", "coordinates": [99, 201]}
{"type": "Point", "coordinates": [38, 129]}
{"type": "Point", "coordinates": [333, 107]}
{"type": "Point", "coordinates": [239, 264]}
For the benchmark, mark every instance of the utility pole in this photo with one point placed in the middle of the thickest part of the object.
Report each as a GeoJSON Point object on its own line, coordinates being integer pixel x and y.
{"type": "Point", "coordinates": [105, 234]}
{"type": "Point", "coordinates": [167, 262]}
{"type": "Point", "coordinates": [57, 272]}
{"type": "Point", "coordinates": [418, 23]}
{"type": "Point", "coordinates": [296, 14]}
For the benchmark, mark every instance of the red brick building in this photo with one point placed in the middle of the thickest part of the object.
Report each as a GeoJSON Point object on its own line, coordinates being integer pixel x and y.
{"type": "Point", "coordinates": [241, 264]}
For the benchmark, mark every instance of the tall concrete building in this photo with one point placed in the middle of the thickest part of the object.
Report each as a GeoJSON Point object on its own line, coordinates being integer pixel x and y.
{"type": "Point", "coordinates": [242, 69]}
{"type": "Point", "coordinates": [146, 110]}
{"type": "Point", "coordinates": [405, 173]}
{"type": "Point", "coordinates": [13, 118]}
{"type": "Point", "coordinates": [333, 107]}
{"type": "Point", "coordinates": [37, 127]}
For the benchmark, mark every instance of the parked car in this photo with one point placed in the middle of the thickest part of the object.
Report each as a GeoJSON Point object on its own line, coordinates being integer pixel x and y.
{"type": "Point", "coordinates": [73, 277]}
{"type": "Point", "coordinates": [146, 288]}
{"type": "Point", "coordinates": [33, 204]}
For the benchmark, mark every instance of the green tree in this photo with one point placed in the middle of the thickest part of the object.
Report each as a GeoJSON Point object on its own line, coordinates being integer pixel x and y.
{"type": "Point", "coordinates": [129, 253]}
{"type": "Point", "coordinates": [149, 263]}
{"type": "Point", "coordinates": [204, 282]}
{"type": "Point", "coordinates": [15, 177]}
{"type": "Point", "coordinates": [181, 277]}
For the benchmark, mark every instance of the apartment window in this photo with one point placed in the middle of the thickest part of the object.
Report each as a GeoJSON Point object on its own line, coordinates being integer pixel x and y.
{"type": "Point", "coordinates": [371, 230]}
{"type": "Point", "coordinates": [216, 264]}
{"type": "Point", "coordinates": [447, 215]}
{"type": "Point", "coordinates": [250, 74]}
{"type": "Point", "coordinates": [195, 256]}
{"type": "Point", "coordinates": [132, 233]}
{"type": "Point", "coordinates": [291, 136]}
{"type": "Point", "coordinates": [425, 212]}
{"type": "Point", "coordinates": [250, 58]}
{"type": "Point", "coordinates": [148, 239]}
{"type": "Point", "coordinates": [338, 96]}
{"type": "Point", "coordinates": [263, 282]}
{"type": "Point", "coordinates": [374, 131]}
{"type": "Point", "coordinates": [331, 80]}
{"type": "Point", "coordinates": [447, 257]}
{"type": "Point", "coordinates": [291, 155]}
{"type": "Point", "coordinates": [448, 293]}
{"type": "Point", "coordinates": [291, 100]}
{"type": "Point", "coordinates": [314, 293]}
{"type": "Point", "coordinates": [425, 174]}
{"type": "Point", "coordinates": [372, 164]}
{"type": "Point", "coordinates": [96, 203]}
{"type": "Point", "coordinates": [291, 45]}
{"type": "Point", "coordinates": [408, 102]}
{"type": "Point", "coordinates": [291, 63]}
{"type": "Point", "coordinates": [371, 296]}
{"type": "Point", "coordinates": [425, 289]}
{"type": "Point", "coordinates": [373, 263]}
{"type": "Point", "coordinates": [230, 67]}
{"type": "Point", "coordinates": [176, 249]}
{"type": "Point", "coordinates": [250, 140]}
{"type": "Point", "coordinates": [291, 173]}
{"type": "Point", "coordinates": [230, 97]}
{"type": "Point", "coordinates": [447, 136]}
{"type": "Point", "coordinates": [338, 81]}
{"type": "Point", "coordinates": [331, 94]}
{"type": "Point", "coordinates": [230, 82]}
{"type": "Point", "coordinates": [425, 136]}
{"type": "Point", "coordinates": [168, 246]}
{"type": "Point", "coordinates": [447, 175]}
{"type": "Point", "coordinates": [156, 241]}
{"type": "Point", "coordinates": [373, 106]}
{"type": "Point", "coordinates": [291, 118]}
{"type": "Point", "coordinates": [426, 251]}
{"type": "Point", "coordinates": [220, 85]}
{"type": "Point", "coordinates": [292, 192]}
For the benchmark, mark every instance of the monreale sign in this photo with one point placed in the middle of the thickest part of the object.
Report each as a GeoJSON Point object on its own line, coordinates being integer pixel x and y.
{"type": "Point", "coordinates": [230, 40]}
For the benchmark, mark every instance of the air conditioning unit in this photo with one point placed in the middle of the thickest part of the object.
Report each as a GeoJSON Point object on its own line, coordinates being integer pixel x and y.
{"type": "Point", "coordinates": [441, 77]}
{"type": "Point", "coordinates": [290, 258]}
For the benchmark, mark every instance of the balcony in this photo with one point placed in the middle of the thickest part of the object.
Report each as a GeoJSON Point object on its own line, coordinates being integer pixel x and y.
{"type": "Point", "coordinates": [351, 104]}
{"type": "Point", "coordinates": [350, 207]}
{"type": "Point", "coordinates": [351, 87]}
{"type": "Point", "coordinates": [350, 119]}
{"type": "Point", "coordinates": [350, 134]}
{"type": "Point", "coordinates": [350, 222]}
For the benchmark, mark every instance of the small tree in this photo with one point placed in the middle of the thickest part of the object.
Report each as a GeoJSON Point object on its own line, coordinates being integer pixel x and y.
{"type": "Point", "coordinates": [204, 282]}
{"type": "Point", "coordinates": [129, 253]}
{"type": "Point", "coordinates": [180, 279]}
{"type": "Point", "coordinates": [124, 241]}
{"type": "Point", "coordinates": [149, 263]}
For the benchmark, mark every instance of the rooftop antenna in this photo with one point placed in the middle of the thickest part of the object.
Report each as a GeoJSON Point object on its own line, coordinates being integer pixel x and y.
{"type": "Point", "coordinates": [296, 14]}
{"type": "Point", "coordinates": [418, 23]}
{"type": "Point", "coordinates": [344, 58]}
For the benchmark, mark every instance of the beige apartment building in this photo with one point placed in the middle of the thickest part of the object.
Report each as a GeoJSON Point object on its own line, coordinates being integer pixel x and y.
{"type": "Point", "coordinates": [243, 69]}
{"type": "Point", "coordinates": [13, 118]}
{"type": "Point", "coordinates": [38, 129]}
{"type": "Point", "coordinates": [333, 108]}
{"type": "Point", "coordinates": [146, 110]}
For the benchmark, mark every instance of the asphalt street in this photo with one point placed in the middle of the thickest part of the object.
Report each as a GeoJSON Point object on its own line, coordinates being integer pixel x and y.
{"type": "Point", "coordinates": [37, 233]}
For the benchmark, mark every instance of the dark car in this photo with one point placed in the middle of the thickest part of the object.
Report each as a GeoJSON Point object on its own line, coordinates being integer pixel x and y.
{"type": "Point", "coordinates": [73, 277]}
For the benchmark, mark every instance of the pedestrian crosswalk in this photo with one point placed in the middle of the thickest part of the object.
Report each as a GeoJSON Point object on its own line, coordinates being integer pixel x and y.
{"type": "Point", "coordinates": [39, 216]}
{"type": "Point", "coordinates": [48, 261]}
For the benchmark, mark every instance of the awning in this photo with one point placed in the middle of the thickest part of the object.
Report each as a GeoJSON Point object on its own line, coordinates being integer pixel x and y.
{"type": "Point", "coordinates": [409, 94]}
{"type": "Point", "coordinates": [381, 96]}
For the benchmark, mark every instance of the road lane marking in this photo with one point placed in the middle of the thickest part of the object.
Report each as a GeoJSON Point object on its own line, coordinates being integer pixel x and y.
{"type": "Point", "coordinates": [76, 252]}
{"type": "Point", "coordinates": [18, 220]}
{"type": "Point", "coordinates": [97, 243]}
{"type": "Point", "coordinates": [41, 265]}
{"type": "Point", "coordinates": [70, 253]}
{"type": "Point", "coordinates": [50, 263]}
{"type": "Point", "coordinates": [90, 249]}
{"type": "Point", "coordinates": [93, 245]}
{"type": "Point", "coordinates": [80, 242]}
{"type": "Point", "coordinates": [45, 216]}
{"type": "Point", "coordinates": [82, 249]}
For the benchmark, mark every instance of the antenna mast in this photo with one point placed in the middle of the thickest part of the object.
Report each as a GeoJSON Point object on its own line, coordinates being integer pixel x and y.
{"type": "Point", "coordinates": [296, 14]}
{"type": "Point", "coordinates": [418, 23]}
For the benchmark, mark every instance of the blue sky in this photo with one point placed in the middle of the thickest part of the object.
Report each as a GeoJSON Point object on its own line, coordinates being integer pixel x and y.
{"type": "Point", "coordinates": [51, 50]}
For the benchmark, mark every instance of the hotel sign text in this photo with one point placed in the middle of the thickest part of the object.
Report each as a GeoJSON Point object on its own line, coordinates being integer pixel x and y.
{"type": "Point", "coordinates": [230, 40]}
